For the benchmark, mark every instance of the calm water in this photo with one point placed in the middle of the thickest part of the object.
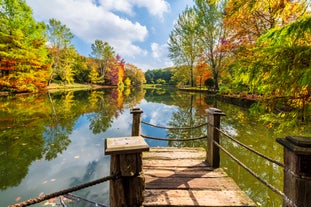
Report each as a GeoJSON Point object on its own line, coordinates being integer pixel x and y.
{"type": "Point", "coordinates": [49, 142]}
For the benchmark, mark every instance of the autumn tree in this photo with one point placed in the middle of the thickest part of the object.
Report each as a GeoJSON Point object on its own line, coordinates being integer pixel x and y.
{"type": "Point", "coordinates": [184, 42]}
{"type": "Point", "coordinates": [281, 63]}
{"type": "Point", "coordinates": [115, 71]}
{"type": "Point", "coordinates": [246, 21]}
{"type": "Point", "coordinates": [93, 75]}
{"type": "Point", "coordinates": [134, 75]}
{"type": "Point", "coordinates": [211, 32]}
{"type": "Point", "coordinates": [24, 61]}
{"type": "Point", "coordinates": [61, 50]}
{"type": "Point", "coordinates": [202, 72]}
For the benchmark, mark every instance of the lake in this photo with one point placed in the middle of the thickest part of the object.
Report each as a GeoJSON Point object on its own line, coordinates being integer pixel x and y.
{"type": "Point", "coordinates": [52, 141]}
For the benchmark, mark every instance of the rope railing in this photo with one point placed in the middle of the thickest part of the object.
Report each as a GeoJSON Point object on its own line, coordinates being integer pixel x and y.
{"type": "Point", "coordinates": [250, 149]}
{"type": "Point", "coordinates": [65, 191]}
{"type": "Point", "coordinates": [173, 139]}
{"type": "Point", "coordinates": [250, 171]}
{"type": "Point", "coordinates": [174, 128]}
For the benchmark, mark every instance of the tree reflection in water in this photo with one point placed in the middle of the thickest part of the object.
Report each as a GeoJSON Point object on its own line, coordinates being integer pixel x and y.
{"type": "Point", "coordinates": [52, 141]}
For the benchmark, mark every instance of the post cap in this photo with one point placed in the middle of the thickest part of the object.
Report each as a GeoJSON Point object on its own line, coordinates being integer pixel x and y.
{"type": "Point", "coordinates": [298, 144]}
{"type": "Point", "coordinates": [125, 145]}
{"type": "Point", "coordinates": [215, 111]}
{"type": "Point", "coordinates": [136, 110]}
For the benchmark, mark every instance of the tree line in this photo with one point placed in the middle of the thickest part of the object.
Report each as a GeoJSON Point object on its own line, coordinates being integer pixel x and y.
{"type": "Point", "coordinates": [34, 55]}
{"type": "Point", "coordinates": [257, 47]}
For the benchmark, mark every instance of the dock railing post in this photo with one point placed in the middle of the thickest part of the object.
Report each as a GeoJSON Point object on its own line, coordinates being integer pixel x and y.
{"type": "Point", "coordinates": [297, 171]}
{"type": "Point", "coordinates": [213, 156]}
{"type": "Point", "coordinates": [136, 121]}
{"type": "Point", "coordinates": [128, 188]}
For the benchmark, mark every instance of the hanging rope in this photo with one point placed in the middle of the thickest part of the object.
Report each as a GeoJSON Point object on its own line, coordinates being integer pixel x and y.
{"type": "Point", "coordinates": [250, 149]}
{"type": "Point", "coordinates": [175, 139]}
{"type": "Point", "coordinates": [251, 172]}
{"type": "Point", "coordinates": [63, 192]}
{"type": "Point", "coordinates": [173, 128]}
{"type": "Point", "coordinates": [78, 198]}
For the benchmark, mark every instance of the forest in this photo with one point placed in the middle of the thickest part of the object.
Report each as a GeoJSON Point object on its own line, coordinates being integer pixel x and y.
{"type": "Point", "coordinates": [244, 46]}
{"type": "Point", "coordinates": [260, 48]}
{"type": "Point", "coordinates": [34, 54]}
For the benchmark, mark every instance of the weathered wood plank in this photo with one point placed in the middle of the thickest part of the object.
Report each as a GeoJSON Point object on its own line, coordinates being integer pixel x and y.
{"type": "Point", "coordinates": [219, 184]}
{"type": "Point", "coordinates": [182, 172]}
{"type": "Point", "coordinates": [181, 177]}
{"type": "Point", "coordinates": [196, 198]}
{"type": "Point", "coordinates": [176, 153]}
{"type": "Point", "coordinates": [174, 163]}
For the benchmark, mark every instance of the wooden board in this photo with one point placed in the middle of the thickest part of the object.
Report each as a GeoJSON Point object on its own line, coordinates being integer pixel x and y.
{"type": "Point", "coordinates": [181, 177]}
{"type": "Point", "coordinates": [195, 198]}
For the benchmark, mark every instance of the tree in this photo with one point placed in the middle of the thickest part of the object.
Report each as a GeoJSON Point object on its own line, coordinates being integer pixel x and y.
{"type": "Point", "coordinates": [135, 75]}
{"type": "Point", "coordinates": [281, 63]}
{"type": "Point", "coordinates": [202, 73]}
{"type": "Point", "coordinates": [184, 43]}
{"type": "Point", "coordinates": [212, 34]}
{"type": "Point", "coordinates": [59, 35]}
{"type": "Point", "coordinates": [24, 61]}
{"type": "Point", "coordinates": [102, 52]}
{"type": "Point", "coordinates": [115, 71]}
{"type": "Point", "coordinates": [61, 50]}
{"type": "Point", "coordinates": [94, 76]}
{"type": "Point", "coordinates": [254, 61]}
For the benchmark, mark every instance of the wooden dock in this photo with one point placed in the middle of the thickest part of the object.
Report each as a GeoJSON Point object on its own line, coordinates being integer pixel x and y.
{"type": "Point", "coordinates": [180, 177]}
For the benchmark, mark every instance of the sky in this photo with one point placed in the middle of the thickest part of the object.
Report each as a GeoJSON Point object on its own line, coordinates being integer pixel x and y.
{"type": "Point", "coordinates": [138, 30]}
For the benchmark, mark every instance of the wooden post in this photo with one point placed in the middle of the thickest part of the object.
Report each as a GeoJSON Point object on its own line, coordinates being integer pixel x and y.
{"type": "Point", "coordinates": [126, 163]}
{"type": "Point", "coordinates": [136, 121]}
{"type": "Point", "coordinates": [297, 171]}
{"type": "Point", "coordinates": [213, 156]}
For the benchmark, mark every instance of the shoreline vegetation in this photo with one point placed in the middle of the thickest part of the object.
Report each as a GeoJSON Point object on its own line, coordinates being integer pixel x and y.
{"type": "Point", "coordinates": [61, 87]}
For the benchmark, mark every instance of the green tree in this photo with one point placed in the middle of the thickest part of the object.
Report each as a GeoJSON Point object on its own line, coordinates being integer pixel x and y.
{"type": "Point", "coordinates": [24, 62]}
{"type": "Point", "coordinates": [184, 42]}
{"type": "Point", "coordinates": [59, 35]}
{"type": "Point", "coordinates": [61, 50]}
{"type": "Point", "coordinates": [212, 34]}
{"type": "Point", "coordinates": [102, 52]}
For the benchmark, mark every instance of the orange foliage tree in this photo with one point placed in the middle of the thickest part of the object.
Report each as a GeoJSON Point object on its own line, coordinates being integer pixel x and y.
{"type": "Point", "coordinates": [202, 72]}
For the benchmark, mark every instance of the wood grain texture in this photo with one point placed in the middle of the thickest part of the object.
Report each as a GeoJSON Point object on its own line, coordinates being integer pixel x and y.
{"type": "Point", "coordinates": [181, 177]}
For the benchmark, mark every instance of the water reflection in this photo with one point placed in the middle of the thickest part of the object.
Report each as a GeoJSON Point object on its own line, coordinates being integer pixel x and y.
{"type": "Point", "coordinates": [49, 142]}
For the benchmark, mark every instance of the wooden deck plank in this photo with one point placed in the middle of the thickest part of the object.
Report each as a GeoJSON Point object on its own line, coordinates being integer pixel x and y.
{"type": "Point", "coordinates": [195, 198]}
{"type": "Point", "coordinates": [181, 177]}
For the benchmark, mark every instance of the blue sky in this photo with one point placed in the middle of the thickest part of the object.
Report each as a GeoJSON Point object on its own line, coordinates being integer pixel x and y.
{"type": "Point", "coordinates": [138, 30]}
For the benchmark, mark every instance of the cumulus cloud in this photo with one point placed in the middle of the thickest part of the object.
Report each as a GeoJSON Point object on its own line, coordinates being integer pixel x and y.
{"type": "Point", "coordinates": [160, 54]}
{"type": "Point", "coordinates": [154, 7]}
{"type": "Point", "coordinates": [89, 21]}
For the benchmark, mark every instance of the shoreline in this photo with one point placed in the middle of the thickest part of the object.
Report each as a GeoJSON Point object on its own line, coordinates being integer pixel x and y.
{"type": "Point", "coordinates": [58, 87]}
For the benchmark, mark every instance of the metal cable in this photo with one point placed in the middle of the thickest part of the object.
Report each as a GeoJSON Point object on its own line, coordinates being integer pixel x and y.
{"type": "Point", "coordinates": [65, 191]}
{"type": "Point", "coordinates": [251, 149]}
{"type": "Point", "coordinates": [170, 139]}
{"type": "Point", "coordinates": [251, 172]}
{"type": "Point", "coordinates": [173, 128]}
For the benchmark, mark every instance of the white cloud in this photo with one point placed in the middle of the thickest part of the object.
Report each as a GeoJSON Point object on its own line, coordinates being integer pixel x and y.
{"type": "Point", "coordinates": [89, 22]}
{"type": "Point", "coordinates": [155, 7]}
